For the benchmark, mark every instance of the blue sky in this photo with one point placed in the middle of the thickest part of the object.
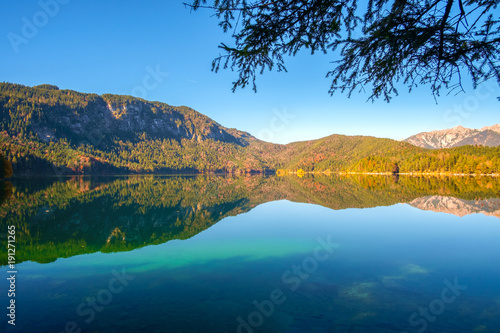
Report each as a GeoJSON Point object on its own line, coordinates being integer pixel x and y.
{"type": "Point", "coordinates": [114, 46]}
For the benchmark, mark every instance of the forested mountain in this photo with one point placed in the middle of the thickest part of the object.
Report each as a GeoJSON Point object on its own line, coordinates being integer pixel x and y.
{"type": "Point", "coordinates": [52, 114]}
{"type": "Point", "coordinates": [45, 130]}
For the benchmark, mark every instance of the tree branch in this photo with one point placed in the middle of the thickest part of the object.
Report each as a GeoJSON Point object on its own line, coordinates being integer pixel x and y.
{"type": "Point", "coordinates": [441, 28]}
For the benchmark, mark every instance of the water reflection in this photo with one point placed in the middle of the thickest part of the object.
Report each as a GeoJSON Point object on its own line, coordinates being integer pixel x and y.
{"type": "Point", "coordinates": [57, 219]}
{"type": "Point", "coordinates": [456, 206]}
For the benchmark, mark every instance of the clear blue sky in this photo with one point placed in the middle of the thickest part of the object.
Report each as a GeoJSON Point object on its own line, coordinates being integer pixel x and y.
{"type": "Point", "coordinates": [110, 46]}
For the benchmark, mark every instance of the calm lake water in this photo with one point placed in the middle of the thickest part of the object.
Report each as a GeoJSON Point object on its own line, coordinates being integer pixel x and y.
{"type": "Point", "coordinates": [253, 254]}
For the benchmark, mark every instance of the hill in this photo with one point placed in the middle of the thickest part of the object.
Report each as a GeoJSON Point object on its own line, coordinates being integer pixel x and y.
{"type": "Point", "coordinates": [340, 152]}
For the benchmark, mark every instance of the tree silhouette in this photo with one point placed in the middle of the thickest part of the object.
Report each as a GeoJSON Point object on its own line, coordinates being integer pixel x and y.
{"type": "Point", "coordinates": [432, 42]}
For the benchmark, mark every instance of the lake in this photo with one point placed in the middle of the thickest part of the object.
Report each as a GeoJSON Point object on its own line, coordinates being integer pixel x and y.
{"type": "Point", "coordinates": [378, 254]}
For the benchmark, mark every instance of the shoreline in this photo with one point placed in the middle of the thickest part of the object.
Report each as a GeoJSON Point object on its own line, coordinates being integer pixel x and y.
{"type": "Point", "coordinates": [434, 174]}
{"type": "Point", "coordinates": [267, 172]}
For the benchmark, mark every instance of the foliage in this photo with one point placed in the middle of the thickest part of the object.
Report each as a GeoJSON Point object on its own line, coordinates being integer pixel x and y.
{"type": "Point", "coordinates": [431, 42]}
{"type": "Point", "coordinates": [5, 191]}
{"type": "Point", "coordinates": [47, 86]}
{"type": "Point", "coordinates": [460, 160]}
{"type": "Point", "coordinates": [5, 168]}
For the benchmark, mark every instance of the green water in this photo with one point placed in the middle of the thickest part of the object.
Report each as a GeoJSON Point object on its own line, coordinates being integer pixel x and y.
{"type": "Point", "coordinates": [254, 254]}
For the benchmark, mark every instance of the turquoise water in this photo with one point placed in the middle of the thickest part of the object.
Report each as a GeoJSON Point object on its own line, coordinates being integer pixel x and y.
{"type": "Point", "coordinates": [281, 266]}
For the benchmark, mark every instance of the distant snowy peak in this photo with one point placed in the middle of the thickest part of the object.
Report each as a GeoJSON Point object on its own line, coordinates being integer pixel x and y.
{"type": "Point", "coordinates": [494, 128]}
{"type": "Point", "coordinates": [457, 136]}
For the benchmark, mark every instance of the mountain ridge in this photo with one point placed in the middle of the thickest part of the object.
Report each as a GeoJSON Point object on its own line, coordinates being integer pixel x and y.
{"type": "Point", "coordinates": [48, 130]}
{"type": "Point", "coordinates": [456, 137]}
{"type": "Point", "coordinates": [78, 116]}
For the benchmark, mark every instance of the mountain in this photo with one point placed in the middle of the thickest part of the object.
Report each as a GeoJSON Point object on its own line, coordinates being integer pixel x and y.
{"type": "Point", "coordinates": [90, 118]}
{"type": "Point", "coordinates": [46, 130]}
{"type": "Point", "coordinates": [457, 136]}
{"type": "Point", "coordinates": [495, 128]}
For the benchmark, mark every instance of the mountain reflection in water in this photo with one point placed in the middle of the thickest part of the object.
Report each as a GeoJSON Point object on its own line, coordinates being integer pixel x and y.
{"type": "Point", "coordinates": [63, 218]}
